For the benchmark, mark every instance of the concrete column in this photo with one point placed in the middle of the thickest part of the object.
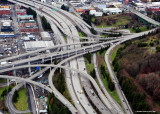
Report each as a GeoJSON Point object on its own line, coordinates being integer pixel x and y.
{"type": "Point", "coordinates": [16, 82]}
{"type": "Point", "coordinates": [43, 60]}
{"type": "Point", "coordinates": [25, 84]}
{"type": "Point", "coordinates": [51, 59]}
{"type": "Point", "coordinates": [29, 68]}
{"type": "Point", "coordinates": [8, 82]}
{"type": "Point", "coordinates": [61, 56]}
{"type": "Point", "coordinates": [14, 72]}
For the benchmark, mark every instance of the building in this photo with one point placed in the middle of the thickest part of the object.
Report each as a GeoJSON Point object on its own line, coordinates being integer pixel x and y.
{"type": "Point", "coordinates": [7, 35]}
{"type": "Point", "coordinates": [34, 45]}
{"type": "Point", "coordinates": [6, 23]}
{"type": "Point", "coordinates": [98, 14]}
{"type": "Point", "coordinates": [101, 6]}
{"type": "Point", "coordinates": [112, 10]}
{"type": "Point", "coordinates": [6, 29]}
{"type": "Point", "coordinates": [95, 13]}
{"type": "Point", "coordinates": [140, 6]}
{"type": "Point", "coordinates": [27, 23]}
{"type": "Point", "coordinates": [45, 36]}
{"type": "Point", "coordinates": [5, 11]}
{"type": "Point", "coordinates": [8, 7]}
{"type": "Point", "coordinates": [92, 12]}
{"type": "Point", "coordinates": [21, 12]}
{"type": "Point", "coordinates": [43, 1]}
{"type": "Point", "coordinates": [29, 29]}
{"type": "Point", "coordinates": [29, 37]}
{"type": "Point", "coordinates": [25, 17]}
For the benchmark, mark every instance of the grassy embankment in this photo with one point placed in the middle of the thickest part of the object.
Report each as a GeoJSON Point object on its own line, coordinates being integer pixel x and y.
{"type": "Point", "coordinates": [22, 100]}
{"type": "Point", "coordinates": [101, 61]}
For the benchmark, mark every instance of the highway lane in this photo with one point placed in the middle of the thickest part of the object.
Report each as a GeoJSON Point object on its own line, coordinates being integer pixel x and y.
{"type": "Point", "coordinates": [122, 97]}
{"type": "Point", "coordinates": [60, 97]}
{"type": "Point", "coordinates": [101, 95]}
{"type": "Point", "coordinates": [31, 100]}
{"type": "Point", "coordinates": [111, 100]}
{"type": "Point", "coordinates": [150, 20]}
{"type": "Point", "coordinates": [44, 49]}
{"type": "Point", "coordinates": [9, 103]}
{"type": "Point", "coordinates": [58, 55]}
{"type": "Point", "coordinates": [145, 32]}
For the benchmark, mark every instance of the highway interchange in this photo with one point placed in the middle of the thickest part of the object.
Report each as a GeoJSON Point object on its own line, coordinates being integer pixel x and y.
{"type": "Point", "coordinates": [72, 62]}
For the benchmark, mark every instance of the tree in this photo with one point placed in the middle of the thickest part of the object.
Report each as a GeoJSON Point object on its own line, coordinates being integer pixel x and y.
{"type": "Point", "coordinates": [65, 7]}
{"type": "Point", "coordinates": [93, 31]}
{"type": "Point", "coordinates": [9, 88]}
{"type": "Point", "coordinates": [93, 73]}
{"type": "Point", "coordinates": [126, 26]}
{"type": "Point", "coordinates": [88, 57]}
{"type": "Point", "coordinates": [4, 93]}
{"type": "Point", "coordinates": [111, 85]}
{"type": "Point", "coordinates": [15, 96]}
{"type": "Point", "coordinates": [45, 24]}
{"type": "Point", "coordinates": [157, 49]}
{"type": "Point", "coordinates": [30, 11]}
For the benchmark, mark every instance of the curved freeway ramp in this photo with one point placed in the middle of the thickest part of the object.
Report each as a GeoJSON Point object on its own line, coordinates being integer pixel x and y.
{"type": "Point", "coordinates": [148, 19]}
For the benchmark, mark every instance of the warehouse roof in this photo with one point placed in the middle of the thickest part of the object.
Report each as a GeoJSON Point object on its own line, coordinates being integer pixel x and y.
{"type": "Point", "coordinates": [45, 35]}
{"type": "Point", "coordinates": [32, 45]}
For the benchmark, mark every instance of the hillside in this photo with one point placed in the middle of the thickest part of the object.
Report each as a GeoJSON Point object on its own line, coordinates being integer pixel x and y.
{"type": "Point", "coordinates": [138, 67]}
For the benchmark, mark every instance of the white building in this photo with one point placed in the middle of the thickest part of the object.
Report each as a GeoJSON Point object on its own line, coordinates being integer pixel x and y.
{"type": "Point", "coordinates": [43, 1]}
{"type": "Point", "coordinates": [34, 45]}
{"type": "Point", "coordinates": [112, 10]}
{"type": "Point", "coordinates": [98, 14]}
{"type": "Point", "coordinates": [45, 36]}
{"type": "Point", "coordinates": [92, 12]}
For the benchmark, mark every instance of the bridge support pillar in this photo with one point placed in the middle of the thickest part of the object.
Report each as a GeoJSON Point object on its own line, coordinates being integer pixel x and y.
{"type": "Point", "coordinates": [14, 72]}
{"type": "Point", "coordinates": [29, 69]}
{"type": "Point", "coordinates": [43, 90]}
{"type": "Point", "coordinates": [8, 82]}
{"type": "Point", "coordinates": [16, 82]}
{"type": "Point", "coordinates": [25, 84]}
{"type": "Point", "coordinates": [43, 60]}
{"type": "Point", "coordinates": [51, 59]}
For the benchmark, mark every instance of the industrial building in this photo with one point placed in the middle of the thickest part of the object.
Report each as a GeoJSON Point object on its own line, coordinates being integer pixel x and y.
{"type": "Point", "coordinates": [27, 23]}
{"type": "Point", "coordinates": [29, 37]}
{"type": "Point", "coordinates": [21, 12]}
{"type": "Point", "coordinates": [112, 10]}
{"type": "Point", "coordinates": [6, 23]}
{"type": "Point", "coordinates": [6, 29]}
{"type": "Point", "coordinates": [34, 45]}
{"type": "Point", "coordinates": [25, 17]}
{"type": "Point", "coordinates": [101, 6]}
{"type": "Point", "coordinates": [5, 11]}
{"type": "Point", "coordinates": [95, 13]}
{"type": "Point", "coordinates": [5, 35]}
{"type": "Point", "coordinates": [45, 36]}
{"type": "Point", "coordinates": [29, 29]}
